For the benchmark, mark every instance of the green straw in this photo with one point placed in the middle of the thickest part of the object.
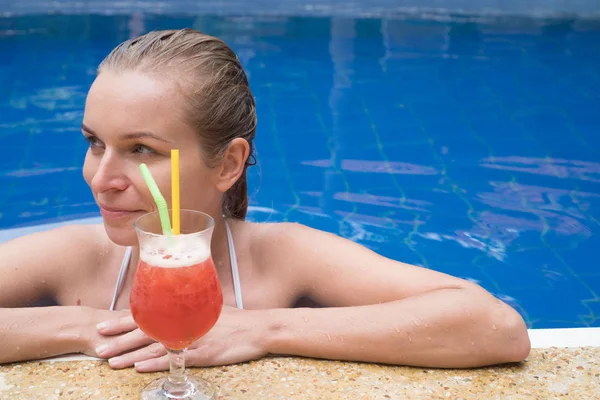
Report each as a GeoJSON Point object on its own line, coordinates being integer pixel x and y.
{"type": "Point", "coordinates": [163, 211]}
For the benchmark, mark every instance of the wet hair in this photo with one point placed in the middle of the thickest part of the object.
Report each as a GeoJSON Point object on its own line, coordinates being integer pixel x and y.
{"type": "Point", "coordinates": [219, 104]}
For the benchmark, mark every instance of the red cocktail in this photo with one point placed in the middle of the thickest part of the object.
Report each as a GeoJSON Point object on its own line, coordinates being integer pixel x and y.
{"type": "Point", "coordinates": [176, 297]}
{"type": "Point", "coordinates": [176, 305]}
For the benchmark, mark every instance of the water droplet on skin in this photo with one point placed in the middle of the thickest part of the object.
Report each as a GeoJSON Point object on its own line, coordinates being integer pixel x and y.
{"type": "Point", "coordinates": [416, 322]}
{"type": "Point", "coordinates": [398, 330]}
{"type": "Point", "coordinates": [328, 336]}
{"type": "Point", "coordinates": [472, 343]}
{"type": "Point", "coordinates": [18, 348]}
{"type": "Point", "coordinates": [306, 320]}
{"type": "Point", "coordinates": [428, 339]}
{"type": "Point", "coordinates": [410, 339]}
{"type": "Point", "coordinates": [494, 327]}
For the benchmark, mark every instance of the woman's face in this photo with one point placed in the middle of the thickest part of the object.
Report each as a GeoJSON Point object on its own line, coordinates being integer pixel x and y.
{"type": "Point", "coordinates": [131, 118]}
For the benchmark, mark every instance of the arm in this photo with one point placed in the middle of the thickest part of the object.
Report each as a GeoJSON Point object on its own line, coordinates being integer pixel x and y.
{"type": "Point", "coordinates": [385, 311]}
{"type": "Point", "coordinates": [33, 267]}
{"type": "Point", "coordinates": [378, 310]}
{"type": "Point", "coordinates": [41, 332]}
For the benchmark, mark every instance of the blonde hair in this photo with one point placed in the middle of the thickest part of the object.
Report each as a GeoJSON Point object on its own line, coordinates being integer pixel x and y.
{"type": "Point", "coordinates": [219, 103]}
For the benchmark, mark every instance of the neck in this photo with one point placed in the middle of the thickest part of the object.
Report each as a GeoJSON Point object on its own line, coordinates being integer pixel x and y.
{"type": "Point", "coordinates": [220, 247]}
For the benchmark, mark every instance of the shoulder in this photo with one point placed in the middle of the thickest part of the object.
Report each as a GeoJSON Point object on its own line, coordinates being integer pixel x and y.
{"type": "Point", "coordinates": [83, 242]}
{"type": "Point", "coordinates": [268, 244]}
{"type": "Point", "coordinates": [276, 237]}
{"type": "Point", "coordinates": [75, 251]}
{"type": "Point", "coordinates": [336, 271]}
{"type": "Point", "coordinates": [296, 247]}
{"type": "Point", "coordinates": [285, 238]}
{"type": "Point", "coordinates": [69, 246]}
{"type": "Point", "coordinates": [42, 263]}
{"type": "Point", "coordinates": [75, 238]}
{"type": "Point", "coordinates": [71, 238]}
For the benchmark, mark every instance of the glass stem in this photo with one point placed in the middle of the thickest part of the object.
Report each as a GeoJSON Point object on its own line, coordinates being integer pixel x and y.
{"type": "Point", "coordinates": [177, 376]}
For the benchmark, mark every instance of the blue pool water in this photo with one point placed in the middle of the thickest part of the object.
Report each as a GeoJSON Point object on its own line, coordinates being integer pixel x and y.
{"type": "Point", "coordinates": [468, 146]}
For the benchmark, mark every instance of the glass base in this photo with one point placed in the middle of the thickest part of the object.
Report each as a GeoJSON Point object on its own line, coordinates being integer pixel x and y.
{"type": "Point", "coordinates": [194, 389]}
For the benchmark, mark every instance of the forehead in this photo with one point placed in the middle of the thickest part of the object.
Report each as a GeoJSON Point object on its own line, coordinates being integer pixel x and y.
{"type": "Point", "coordinates": [133, 101]}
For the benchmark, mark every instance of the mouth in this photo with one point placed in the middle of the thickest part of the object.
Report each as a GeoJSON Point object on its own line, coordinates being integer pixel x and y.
{"type": "Point", "coordinates": [115, 213]}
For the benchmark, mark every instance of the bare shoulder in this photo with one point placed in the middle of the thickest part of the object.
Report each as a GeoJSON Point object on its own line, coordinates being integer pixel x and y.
{"type": "Point", "coordinates": [34, 266]}
{"type": "Point", "coordinates": [287, 238]}
{"type": "Point", "coordinates": [270, 239]}
{"type": "Point", "coordinates": [336, 271]}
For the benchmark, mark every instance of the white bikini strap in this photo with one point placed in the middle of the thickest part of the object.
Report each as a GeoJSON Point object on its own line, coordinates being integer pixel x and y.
{"type": "Point", "coordinates": [122, 272]}
{"type": "Point", "coordinates": [237, 287]}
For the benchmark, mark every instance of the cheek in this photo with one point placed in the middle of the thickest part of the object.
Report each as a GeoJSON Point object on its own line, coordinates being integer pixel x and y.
{"type": "Point", "coordinates": [89, 169]}
{"type": "Point", "coordinates": [196, 192]}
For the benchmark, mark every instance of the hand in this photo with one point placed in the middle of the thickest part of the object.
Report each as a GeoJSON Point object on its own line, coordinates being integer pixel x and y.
{"type": "Point", "coordinates": [234, 339]}
{"type": "Point", "coordinates": [117, 326]}
{"type": "Point", "coordinates": [121, 335]}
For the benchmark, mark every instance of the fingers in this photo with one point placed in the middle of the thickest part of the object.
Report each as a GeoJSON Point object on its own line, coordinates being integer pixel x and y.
{"type": "Point", "coordinates": [194, 357]}
{"type": "Point", "coordinates": [116, 326]}
{"type": "Point", "coordinates": [124, 343]}
{"type": "Point", "coordinates": [148, 353]}
{"type": "Point", "coordinates": [153, 364]}
{"type": "Point", "coordinates": [198, 357]}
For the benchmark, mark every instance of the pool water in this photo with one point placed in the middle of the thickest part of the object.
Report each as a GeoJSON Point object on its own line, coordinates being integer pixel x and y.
{"type": "Point", "coordinates": [466, 145]}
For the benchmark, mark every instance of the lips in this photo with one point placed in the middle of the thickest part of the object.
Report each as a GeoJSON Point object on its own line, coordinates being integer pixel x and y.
{"type": "Point", "coordinates": [115, 212]}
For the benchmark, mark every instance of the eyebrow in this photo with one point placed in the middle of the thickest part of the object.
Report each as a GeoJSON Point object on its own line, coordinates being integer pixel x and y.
{"type": "Point", "coordinates": [131, 136]}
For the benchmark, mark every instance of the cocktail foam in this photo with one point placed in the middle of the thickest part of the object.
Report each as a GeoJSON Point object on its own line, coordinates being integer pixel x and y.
{"type": "Point", "coordinates": [174, 251]}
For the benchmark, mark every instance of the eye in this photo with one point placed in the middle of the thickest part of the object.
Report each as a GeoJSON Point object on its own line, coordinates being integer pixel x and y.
{"type": "Point", "coordinates": [141, 149]}
{"type": "Point", "coordinates": [94, 142]}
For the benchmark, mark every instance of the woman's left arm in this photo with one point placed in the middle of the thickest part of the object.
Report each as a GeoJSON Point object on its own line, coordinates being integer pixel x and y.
{"type": "Point", "coordinates": [380, 310]}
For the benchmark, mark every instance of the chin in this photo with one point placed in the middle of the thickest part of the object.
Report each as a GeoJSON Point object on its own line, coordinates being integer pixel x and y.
{"type": "Point", "coordinates": [121, 235]}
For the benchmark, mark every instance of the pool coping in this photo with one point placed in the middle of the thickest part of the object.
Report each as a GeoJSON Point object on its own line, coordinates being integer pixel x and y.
{"type": "Point", "coordinates": [540, 338]}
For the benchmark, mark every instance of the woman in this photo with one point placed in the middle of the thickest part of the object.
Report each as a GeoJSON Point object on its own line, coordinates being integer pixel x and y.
{"type": "Point", "coordinates": [183, 89]}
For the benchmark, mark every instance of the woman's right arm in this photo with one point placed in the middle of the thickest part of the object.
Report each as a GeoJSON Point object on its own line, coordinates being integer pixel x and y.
{"type": "Point", "coordinates": [41, 332]}
{"type": "Point", "coordinates": [33, 267]}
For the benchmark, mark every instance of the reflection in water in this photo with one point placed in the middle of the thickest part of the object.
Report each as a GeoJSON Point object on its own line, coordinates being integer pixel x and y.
{"type": "Point", "coordinates": [381, 222]}
{"type": "Point", "coordinates": [65, 97]}
{"type": "Point", "coordinates": [262, 213]}
{"type": "Point", "coordinates": [374, 166]}
{"type": "Point", "coordinates": [541, 202]}
{"type": "Point", "coordinates": [136, 25]}
{"type": "Point", "coordinates": [384, 201]}
{"type": "Point", "coordinates": [561, 168]}
{"type": "Point", "coordinates": [392, 225]}
{"type": "Point", "coordinates": [341, 52]}
{"type": "Point", "coordinates": [23, 173]}
{"type": "Point", "coordinates": [492, 246]}
{"type": "Point", "coordinates": [355, 231]}
{"type": "Point", "coordinates": [313, 211]}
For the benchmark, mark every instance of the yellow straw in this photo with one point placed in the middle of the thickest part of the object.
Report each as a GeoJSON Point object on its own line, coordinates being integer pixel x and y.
{"type": "Point", "coordinates": [175, 190]}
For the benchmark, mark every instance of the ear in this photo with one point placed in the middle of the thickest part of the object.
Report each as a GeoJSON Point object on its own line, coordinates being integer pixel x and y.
{"type": "Point", "coordinates": [233, 163]}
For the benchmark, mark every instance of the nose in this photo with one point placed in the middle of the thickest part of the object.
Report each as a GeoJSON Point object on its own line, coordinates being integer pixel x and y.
{"type": "Point", "coordinates": [110, 174]}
